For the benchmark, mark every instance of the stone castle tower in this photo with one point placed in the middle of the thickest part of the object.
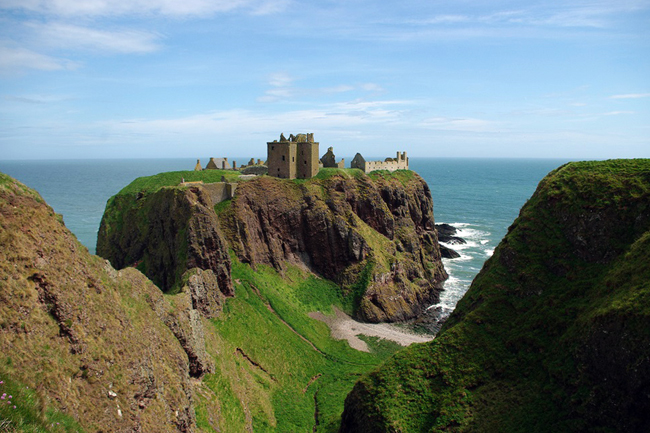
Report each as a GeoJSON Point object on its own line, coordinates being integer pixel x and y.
{"type": "Point", "coordinates": [294, 158]}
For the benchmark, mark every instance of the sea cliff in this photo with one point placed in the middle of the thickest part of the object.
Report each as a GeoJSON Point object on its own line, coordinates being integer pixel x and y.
{"type": "Point", "coordinates": [553, 333]}
{"type": "Point", "coordinates": [372, 235]}
{"type": "Point", "coordinates": [86, 347]}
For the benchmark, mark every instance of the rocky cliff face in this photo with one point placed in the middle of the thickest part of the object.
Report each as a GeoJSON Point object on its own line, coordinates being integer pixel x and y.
{"type": "Point", "coordinates": [375, 236]}
{"type": "Point", "coordinates": [101, 346]}
{"type": "Point", "coordinates": [553, 333]}
{"type": "Point", "coordinates": [169, 234]}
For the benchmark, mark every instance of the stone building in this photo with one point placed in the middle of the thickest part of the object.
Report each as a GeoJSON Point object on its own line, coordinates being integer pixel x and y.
{"type": "Point", "coordinates": [401, 162]}
{"type": "Point", "coordinates": [329, 160]}
{"type": "Point", "coordinates": [218, 164]}
{"type": "Point", "coordinates": [294, 158]}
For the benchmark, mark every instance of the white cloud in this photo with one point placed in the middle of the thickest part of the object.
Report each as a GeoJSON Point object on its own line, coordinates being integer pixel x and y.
{"type": "Point", "coordinates": [282, 88]}
{"type": "Point", "coordinates": [342, 88]}
{"type": "Point", "coordinates": [616, 113]}
{"type": "Point", "coordinates": [280, 79]}
{"type": "Point", "coordinates": [461, 124]}
{"type": "Point", "coordinates": [631, 96]}
{"type": "Point", "coordinates": [340, 116]}
{"type": "Point", "coordinates": [181, 8]}
{"type": "Point", "coordinates": [13, 59]}
{"type": "Point", "coordinates": [442, 19]}
{"type": "Point", "coordinates": [70, 36]}
{"type": "Point", "coordinates": [36, 99]}
{"type": "Point", "coordinates": [372, 87]}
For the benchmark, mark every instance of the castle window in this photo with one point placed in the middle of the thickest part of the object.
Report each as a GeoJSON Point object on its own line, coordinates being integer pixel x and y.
{"type": "Point", "coordinates": [283, 157]}
{"type": "Point", "coordinates": [293, 159]}
{"type": "Point", "coordinates": [305, 162]}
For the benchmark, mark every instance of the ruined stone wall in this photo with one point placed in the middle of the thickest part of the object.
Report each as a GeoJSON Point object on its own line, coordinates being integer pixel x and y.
{"type": "Point", "coordinates": [401, 162]}
{"type": "Point", "coordinates": [220, 191]}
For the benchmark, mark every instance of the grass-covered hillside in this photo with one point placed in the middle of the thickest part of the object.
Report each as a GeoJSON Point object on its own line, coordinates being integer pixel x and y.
{"type": "Point", "coordinates": [554, 333]}
{"type": "Point", "coordinates": [277, 369]}
{"type": "Point", "coordinates": [84, 347]}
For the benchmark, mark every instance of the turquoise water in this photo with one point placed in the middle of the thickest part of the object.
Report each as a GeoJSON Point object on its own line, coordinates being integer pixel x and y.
{"type": "Point", "coordinates": [479, 196]}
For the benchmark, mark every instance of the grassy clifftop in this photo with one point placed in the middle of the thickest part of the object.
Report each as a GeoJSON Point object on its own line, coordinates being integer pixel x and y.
{"type": "Point", "coordinates": [553, 334]}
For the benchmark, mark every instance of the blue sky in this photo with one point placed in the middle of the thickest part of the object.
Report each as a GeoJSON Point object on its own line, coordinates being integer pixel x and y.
{"type": "Point", "coordinates": [197, 78]}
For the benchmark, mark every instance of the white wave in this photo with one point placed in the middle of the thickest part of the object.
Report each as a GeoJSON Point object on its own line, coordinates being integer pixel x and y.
{"type": "Point", "coordinates": [474, 234]}
{"type": "Point", "coordinates": [472, 255]}
{"type": "Point", "coordinates": [457, 225]}
{"type": "Point", "coordinates": [462, 258]}
{"type": "Point", "coordinates": [468, 244]}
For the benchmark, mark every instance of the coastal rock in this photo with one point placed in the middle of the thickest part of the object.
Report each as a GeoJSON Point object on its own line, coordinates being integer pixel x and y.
{"type": "Point", "coordinates": [373, 236]}
{"type": "Point", "coordinates": [448, 253]}
{"type": "Point", "coordinates": [185, 323]}
{"type": "Point", "coordinates": [556, 321]}
{"type": "Point", "coordinates": [164, 234]}
{"type": "Point", "coordinates": [74, 328]}
{"type": "Point", "coordinates": [447, 234]}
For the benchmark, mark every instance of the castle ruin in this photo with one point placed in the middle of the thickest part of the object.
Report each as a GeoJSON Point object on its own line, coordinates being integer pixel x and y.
{"type": "Point", "coordinates": [401, 162]}
{"type": "Point", "coordinates": [329, 160]}
{"type": "Point", "coordinates": [296, 157]}
{"type": "Point", "coordinates": [220, 164]}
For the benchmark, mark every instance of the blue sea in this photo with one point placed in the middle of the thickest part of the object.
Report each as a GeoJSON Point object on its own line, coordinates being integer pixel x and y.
{"type": "Point", "coordinates": [481, 197]}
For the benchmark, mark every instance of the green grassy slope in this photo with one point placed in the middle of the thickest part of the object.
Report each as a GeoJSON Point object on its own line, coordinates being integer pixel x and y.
{"type": "Point", "coordinates": [553, 334]}
{"type": "Point", "coordinates": [277, 368]}
{"type": "Point", "coordinates": [88, 329]}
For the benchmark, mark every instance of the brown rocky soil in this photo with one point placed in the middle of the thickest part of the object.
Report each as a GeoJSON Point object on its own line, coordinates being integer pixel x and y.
{"type": "Point", "coordinates": [87, 337]}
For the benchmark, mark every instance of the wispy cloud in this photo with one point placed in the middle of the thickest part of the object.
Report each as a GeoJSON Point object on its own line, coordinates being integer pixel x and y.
{"type": "Point", "coordinates": [70, 36]}
{"type": "Point", "coordinates": [350, 114]}
{"type": "Point", "coordinates": [280, 79]}
{"type": "Point", "coordinates": [180, 8]}
{"type": "Point", "coordinates": [631, 96]}
{"type": "Point", "coordinates": [18, 58]}
{"type": "Point", "coordinates": [461, 124]}
{"type": "Point", "coordinates": [35, 99]}
{"type": "Point", "coordinates": [282, 88]}
{"type": "Point", "coordinates": [617, 113]}
{"type": "Point", "coordinates": [535, 20]}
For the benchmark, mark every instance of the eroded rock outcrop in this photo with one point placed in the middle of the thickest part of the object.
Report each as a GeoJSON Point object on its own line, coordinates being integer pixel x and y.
{"type": "Point", "coordinates": [374, 236]}
{"type": "Point", "coordinates": [80, 333]}
{"type": "Point", "coordinates": [165, 234]}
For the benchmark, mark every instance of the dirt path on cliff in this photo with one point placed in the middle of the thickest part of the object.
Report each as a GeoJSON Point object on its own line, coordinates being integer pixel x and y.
{"type": "Point", "coordinates": [343, 327]}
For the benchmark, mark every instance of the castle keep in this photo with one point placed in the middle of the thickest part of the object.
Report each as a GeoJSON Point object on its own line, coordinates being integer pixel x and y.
{"type": "Point", "coordinates": [294, 158]}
